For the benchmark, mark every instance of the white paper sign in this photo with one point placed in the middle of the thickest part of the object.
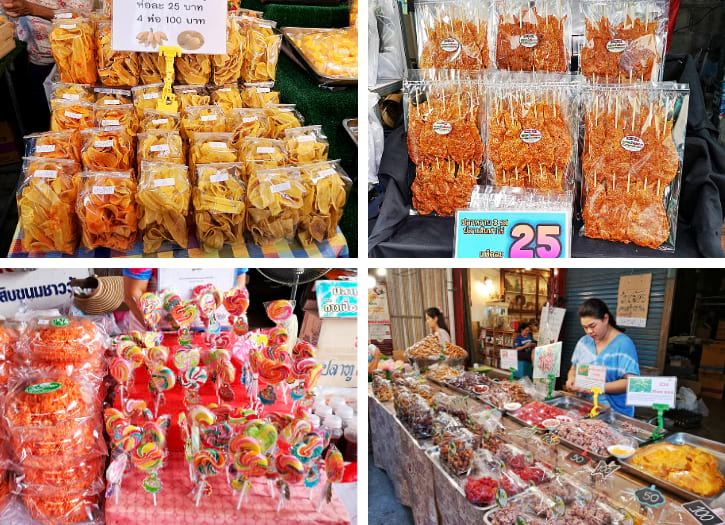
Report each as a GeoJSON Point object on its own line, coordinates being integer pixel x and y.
{"type": "Point", "coordinates": [552, 318]}
{"type": "Point", "coordinates": [590, 376]}
{"type": "Point", "coordinates": [196, 26]}
{"type": "Point", "coordinates": [37, 289]}
{"type": "Point", "coordinates": [509, 359]}
{"type": "Point", "coordinates": [547, 360]}
{"type": "Point", "coordinates": [646, 391]}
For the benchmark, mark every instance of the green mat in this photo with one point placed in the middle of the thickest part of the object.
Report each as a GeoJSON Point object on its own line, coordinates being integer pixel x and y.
{"type": "Point", "coordinates": [319, 105]}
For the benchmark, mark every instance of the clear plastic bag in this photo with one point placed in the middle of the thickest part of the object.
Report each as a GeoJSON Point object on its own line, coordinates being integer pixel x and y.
{"type": "Point", "coordinates": [391, 54]}
{"type": "Point", "coordinates": [632, 162]}
{"type": "Point", "coordinates": [248, 122]}
{"type": "Point", "coordinates": [72, 92]}
{"type": "Point", "coordinates": [282, 117]}
{"type": "Point", "coordinates": [74, 50]}
{"type": "Point", "coordinates": [146, 97]}
{"type": "Point", "coordinates": [106, 210]}
{"type": "Point", "coordinates": [624, 40]}
{"type": "Point", "coordinates": [376, 138]}
{"type": "Point", "coordinates": [228, 67]}
{"type": "Point", "coordinates": [531, 132]}
{"type": "Point", "coordinates": [532, 36]}
{"type": "Point", "coordinates": [593, 435]}
{"type": "Point", "coordinates": [54, 145]}
{"type": "Point", "coordinates": [202, 119]}
{"type": "Point", "coordinates": [63, 472]}
{"type": "Point", "coordinates": [206, 148]}
{"type": "Point", "coordinates": [444, 141]}
{"type": "Point", "coordinates": [452, 34]}
{"type": "Point", "coordinates": [112, 97]}
{"type": "Point", "coordinates": [123, 115]}
{"type": "Point", "coordinates": [274, 203]}
{"type": "Point", "coordinates": [193, 69]}
{"type": "Point", "coordinates": [115, 68]}
{"type": "Point", "coordinates": [382, 389]}
{"type": "Point", "coordinates": [420, 418]}
{"type": "Point", "coordinates": [328, 187]}
{"type": "Point", "coordinates": [154, 120]}
{"type": "Point", "coordinates": [64, 508]}
{"type": "Point", "coordinates": [456, 451]}
{"type": "Point", "coordinates": [260, 49]}
{"type": "Point", "coordinates": [46, 203]}
{"type": "Point", "coordinates": [163, 195]}
{"type": "Point", "coordinates": [219, 205]}
{"type": "Point", "coordinates": [306, 145]}
{"type": "Point", "coordinates": [188, 96]}
{"type": "Point", "coordinates": [164, 146]}
{"type": "Point", "coordinates": [227, 96]}
{"type": "Point", "coordinates": [152, 68]}
{"type": "Point", "coordinates": [259, 94]}
{"type": "Point", "coordinates": [70, 115]}
{"type": "Point", "coordinates": [107, 149]}
{"type": "Point", "coordinates": [62, 341]}
{"type": "Point", "coordinates": [262, 153]}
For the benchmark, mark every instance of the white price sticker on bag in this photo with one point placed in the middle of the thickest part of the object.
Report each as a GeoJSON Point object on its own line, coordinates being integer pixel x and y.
{"type": "Point", "coordinates": [219, 176]}
{"type": "Point", "coordinates": [278, 188]}
{"type": "Point", "coordinates": [103, 190]}
{"type": "Point", "coordinates": [164, 182]}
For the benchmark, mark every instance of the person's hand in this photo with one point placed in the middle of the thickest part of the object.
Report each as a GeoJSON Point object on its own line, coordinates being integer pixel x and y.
{"type": "Point", "coordinates": [17, 8]}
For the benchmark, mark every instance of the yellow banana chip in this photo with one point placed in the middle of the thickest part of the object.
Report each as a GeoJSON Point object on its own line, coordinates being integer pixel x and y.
{"type": "Point", "coordinates": [219, 205]}
{"type": "Point", "coordinates": [306, 145]}
{"type": "Point", "coordinates": [193, 69]}
{"type": "Point", "coordinates": [154, 120]}
{"type": "Point", "coordinates": [201, 119]}
{"type": "Point", "coordinates": [247, 122]}
{"type": "Point", "coordinates": [274, 204]}
{"type": "Point", "coordinates": [332, 52]}
{"type": "Point", "coordinates": [152, 68]}
{"type": "Point", "coordinates": [260, 49]}
{"type": "Point", "coordinates": [211, 147]}
{"type": "Point", "coordinates": [228, 97]}
{"type": "Point", "coordinates": [165, 146]}
{"type": "Point", "coordinates": [188, 96]}
{"type": "Point", "coordinates": [163, 196]}
{"type": "Point", "coordinates": [283, 117]}
{"type": "Point", "coordinates": [72, 92]}
{"type": "Point", "coordinates": [227, 68]}
{"type": "Point", "coordinates": [327, 188]}
{"type": "Point", "coordinates": [46, 205]}
{"type": "Point", "coordinates": [112, 97]}
{"type": "Point", "coordinates": [107, 149]}
{"type": "Point", "coordinates": [74, 50]}
{"type": "Point", "coordinates": [115, 68]}
{"type": "Point", "coordinates": [259, 95]}
{"type": "Point", "coordinates": [146, 97]}
{"type": "Point", "coordinates": [262, 153]}
{"type": "Point", "coordinates": [123, 115]}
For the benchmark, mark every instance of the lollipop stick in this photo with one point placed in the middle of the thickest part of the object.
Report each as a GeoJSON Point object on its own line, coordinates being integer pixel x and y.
{"type": "Point", "coordinates": [242, 493]}
{"type": "Point", "coordinates": [154, 500]}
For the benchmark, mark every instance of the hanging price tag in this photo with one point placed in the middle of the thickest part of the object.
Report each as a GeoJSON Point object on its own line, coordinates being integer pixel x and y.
{"type": "Point", "coordinates": [512, 234]}
{"type": "Point", "coordinates": [649, 496]}
{"type": "Point", "coordinates": [702, 513]}
{"type": "Point", "coordinates": [578, 459]}
{"type": "Point", "coordinates": [604, 470]}
{"type": "Point", "coordinates": [509, 359]}
{"type": "Point", "coordinates": [648, 391]}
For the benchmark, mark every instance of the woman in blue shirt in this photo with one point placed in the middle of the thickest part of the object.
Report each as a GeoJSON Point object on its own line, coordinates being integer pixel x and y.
{"type": "Point", "coordinates": [605, 345]}
{"type": "Point", "coordinates": [524, 345]}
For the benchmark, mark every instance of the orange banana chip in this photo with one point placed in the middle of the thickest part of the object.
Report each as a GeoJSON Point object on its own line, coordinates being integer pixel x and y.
{"type": "Point", "coordinates": [327, 188]}
{"type": "Point", "coordinates": [146, 97]}
{"type": "Point", "coordinates": [46, 205]}
{"type": "Point", "coordinates": [106, 149]}
{"type": "Point", "coordinates": [274, 204]}
{"type": "Point", "coordinates": [228, 97]}
{"type": "Point", "coordinates": [282, 117]}
{"type": "Point", "coordinates": [260, 49]}
{"type": "Point", "coordinates": [74, 50]}
{"type": "Point", "coordinates": [163, 196]}
{"type": "Point", "coordinates": [259, 95]}
{"type": "Point", "coordinates": [227, 68]}
{"type": "Point", "coordinates": [106, 210]}
{"type": "Point", "coordinates": [54, 145]}
{"type": "Point", "coordinates": [69, 115]}
{"type": "Point", "coordinates": [165, 146]}
{"type": "Point", "coordinates": [73, 92]}
{"type": "Point", "coordinates": [193, 69]}
{"type": "Point", "coordinates": [262, 153]}
{"type": "Point", "coordinates": [306, 145]}
{"type": "Point", "coordinates": [152, 68]}
{"type": "Point", "coordinates": [211, 147]}
{"type": "Point", "coordinates": [115, 68]}
{"type": "Point", "coordinates": [219, 204]}
{"type": "Point", "coordinates": [123, 115]}
{"type": "Point", "coordinates": [247, 122]}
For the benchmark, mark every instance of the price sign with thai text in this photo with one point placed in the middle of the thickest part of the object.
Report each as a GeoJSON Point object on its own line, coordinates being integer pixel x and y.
{"type": "Point", "coordinates": [509, 359]}
{"type": "Point", "coordinates": [649, 391]}
{"type": "Point", "coordinates": [512, 234]}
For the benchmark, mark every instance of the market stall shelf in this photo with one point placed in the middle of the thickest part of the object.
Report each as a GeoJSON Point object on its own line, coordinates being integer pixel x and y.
{"type": "Point", "coordinates": [333, 247]}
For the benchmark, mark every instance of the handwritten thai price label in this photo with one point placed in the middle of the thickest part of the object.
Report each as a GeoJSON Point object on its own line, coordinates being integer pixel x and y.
{"type": "Point", "coordinates": [702, 513]}
{"type": "Point", "coordinates": [336, 299]}
{"type": "Point", "coordinates": [578, 459]}
{"type": "Point", "coordinates": [512, 234]}
{"type": "Point", "coordinates": [649, 496]}
{"type": "Point", "coordinates": [604, 470]}
{"type": "Point", "coordinates": [196, 26]}
{"type": "Point", "coordinates": [648, 391]}
{"type": "Point", "coordinates": [509, 359]}
{"type": "Point", "coordinates": [590, 376]}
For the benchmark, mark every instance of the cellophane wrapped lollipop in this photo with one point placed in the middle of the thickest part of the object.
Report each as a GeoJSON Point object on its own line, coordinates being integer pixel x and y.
{"type": "Point", "coordinates": [207, 462]}
{"type": "Point", "coordinates": [334, 469]}
{"type": "Point", "coordinates": [151, 455]}
{"type": "Point", "coordinates": [236, 302]}
{"type": "Point", "coordinates": [162, 379]}
{"type": "Point", "coordinates": [208, 300]}
{"type": "Point", "coordinates": [248, 462]}
{"type": "Point", "coordinates": [291, 471]}
{"type": "Point", "coordinates": [183, 314]}
{"type": "Point", "coordinates": [152, 309]}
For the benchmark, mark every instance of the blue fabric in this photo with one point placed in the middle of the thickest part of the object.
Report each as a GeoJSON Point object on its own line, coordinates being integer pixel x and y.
{"type": "Point", "coordinates": [140, 274]}
{"type": "Point", "coordinates": [524, 355]}
{"type": "Point", "coordinates": [620, 358]}
{"type": "Point", "coordinates": [525, 370]}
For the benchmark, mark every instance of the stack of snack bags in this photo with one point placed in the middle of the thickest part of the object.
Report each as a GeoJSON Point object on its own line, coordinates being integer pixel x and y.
{"type": "Point", "coordinates": [53, 419]}
{"type": "Point", "coordinates": [7, 344]}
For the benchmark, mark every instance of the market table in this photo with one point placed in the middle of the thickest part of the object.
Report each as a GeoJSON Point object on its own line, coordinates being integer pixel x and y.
{"type": "Point", "coordinates": [449, 498]}
{"type": "Point", "coordinates": [333, 247]}
{"type": "Point", "coordinates": [175, 505]}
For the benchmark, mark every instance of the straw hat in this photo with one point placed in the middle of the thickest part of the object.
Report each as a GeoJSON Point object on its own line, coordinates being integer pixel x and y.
{"type": "Point", "coordinates": [106, 295]}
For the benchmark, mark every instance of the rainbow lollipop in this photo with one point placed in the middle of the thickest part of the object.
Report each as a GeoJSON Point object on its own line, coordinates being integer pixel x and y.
{"type": "Point", "coordinates": [162, 379]}
{"type": "Point", "coordinates": [151, 307]}
{"type": "Point", "coordinates": [291, 471]}
{"type": "Point", "coordinates": [236, 302]}
{"type": "Point", "coordinates": [280, 311]}
{"type": "Point", "coordinates": [335, 470]}
{"type": "Point", "coordinates": [207, 300]}
{"type": "Point", "coordinates": [121, 370]}
{"type": "Point", "coordinates": [183, 315]}
{"type": "Point", "coordinates": [249, 462]}
{"type": "Point", "coordinates": [191, 381]}
{"type": "Point", "coordinates": [207, 462]}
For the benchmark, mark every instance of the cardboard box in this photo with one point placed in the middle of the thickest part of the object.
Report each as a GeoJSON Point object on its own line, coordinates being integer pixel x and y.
{"type": "Point", "coordinates": [720, 330]}
{"type": "Point", "coordinates": [712, 385]}
{"type": "Point", "coordinates": [713, 358]}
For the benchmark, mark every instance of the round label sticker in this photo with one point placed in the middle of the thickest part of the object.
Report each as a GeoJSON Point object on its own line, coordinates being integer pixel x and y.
{"type": "Point", "coordinates": [529, 40]}
{"type": "Point", "coordinates": [442, 127]}
{"type": "Point", "coordinates": [43, 388]}
{"type": "Point", "coordinates": [632, 143]}
{"type": "Point", "coordinates": [616, 45]}
{"type": "Point", "coordinates": [60, 321]}
{"type": "Point", "coordinates": [530, 135]}
{"type": "Point", "coordinates": [450, 44]}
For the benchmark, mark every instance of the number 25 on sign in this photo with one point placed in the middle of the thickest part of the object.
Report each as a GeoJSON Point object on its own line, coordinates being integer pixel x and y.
{"type": "Point", "coordinates": [542, 240]}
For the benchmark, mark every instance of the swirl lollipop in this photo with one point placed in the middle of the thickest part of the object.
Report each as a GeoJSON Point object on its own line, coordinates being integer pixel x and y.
{"type": "Point", "coordinates": [170, 299]}
{"type": "Point", "coordinates": [121, 370]}
{"type": "Point", "coordinates": [303, 349]}
{"type": "Point", "coordinates": [191, 381]}
{"type": "Point", "coordinates": [151, 307]}
{"type": "Point", "coordinates": [291, 471]}
{"type": "Point", "coordinates": [149, 457]}
{"type": "Point", "coordinates": [162, 379]}
{"type": "Point", "coordinates": [278, 335]}
{"type": "Point", "coordinates": [272, 372]}
{"type": "Point", "coordinates": [183, 315]}
{"type": "Point", "coordinates": [186, 358]}
{"type": "Point", "coordinates": [207, 300]}
{"type": "Point", "coordinates": [335, 470]}
{"type": "Point", "coordinates": [131, 352]}
{"type": "Point", "coordinates": [249, 462]}
{"type": "Point", "coordinates": [156, 356]}
{"type": "Point", "coordinates": [207, 462]}
{"type": "Point", "coordinates": [280, 311]}
{"type": "Point", "coordinates": [236, 302]}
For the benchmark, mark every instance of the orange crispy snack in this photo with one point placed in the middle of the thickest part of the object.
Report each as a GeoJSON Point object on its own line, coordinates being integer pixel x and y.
{"type": "Point", "coordinates": [453, 39]}
{"type": "Point", "coordinates": [74, 50]}
{"type": "Point", "coordinates": [208, 148]}
{"type": "Point", "coordinates": [105, 149]}
{"type": "Point", "coordinates": [70, 115]}
{"type": "Point", "coordinates": [107, 210]}
{"type": "Point", "coordinates": [166, 146]}
{"type": "Point", "coordinates": [527, 41]}
{"type": "Point", "coordinates": [199, 119]}
{"type": "Point", "coordinates": [146, 97]}
{"type": "Point", "coordinates": [54, 145]}
{"type": "Point", "coordinates": [115, 68]}
{"type": "Point", "coordinates": [112, 97]}
{"type": "Point", "coordinates": [46, 205]}
{"type": "Point", "coordinates": [74, 92]}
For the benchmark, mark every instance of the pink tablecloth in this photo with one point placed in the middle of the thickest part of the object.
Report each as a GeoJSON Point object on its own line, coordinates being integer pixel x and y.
{"type": "Point", "coordinates": [175, 505]}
